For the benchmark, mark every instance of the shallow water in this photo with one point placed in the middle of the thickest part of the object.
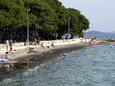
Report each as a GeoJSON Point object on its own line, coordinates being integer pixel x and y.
{"type": "Point", "coordinates": [92, 66]}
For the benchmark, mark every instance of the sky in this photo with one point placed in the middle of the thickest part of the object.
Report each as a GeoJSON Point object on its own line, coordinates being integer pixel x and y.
{"type": "Point", "coordinates": [101, 13]}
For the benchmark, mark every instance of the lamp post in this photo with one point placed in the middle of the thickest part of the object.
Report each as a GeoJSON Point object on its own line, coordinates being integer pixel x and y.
{"type": "Point", "coordinates": [83, 33]}
{"type": "Point", "coordinates": [92, 32]}
{"type": "Point", "coordinates": [28, 9]}
{"type": "Point", "coordinates": [69, 24]}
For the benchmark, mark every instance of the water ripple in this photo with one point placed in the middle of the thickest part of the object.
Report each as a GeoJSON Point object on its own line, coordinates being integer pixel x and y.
{"type": "Point", "coordinates": [93, 66]}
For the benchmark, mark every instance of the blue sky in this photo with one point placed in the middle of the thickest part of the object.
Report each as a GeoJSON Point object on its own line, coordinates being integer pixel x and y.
{"type": "Point", "coordinates": [101, 13]}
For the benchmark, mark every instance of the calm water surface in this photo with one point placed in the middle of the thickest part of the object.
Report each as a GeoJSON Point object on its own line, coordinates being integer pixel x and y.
{"type": "Point", "coordinates": [92, 66]}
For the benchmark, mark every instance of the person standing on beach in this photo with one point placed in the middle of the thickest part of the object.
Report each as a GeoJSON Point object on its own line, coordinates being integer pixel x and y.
{"type": "Point", "coordinates": [10, 43]}
{"type": "Point", "coordinates": [38, 41]}
{"type": "Point", "coordinates": [42, 45]}
{"type": "Point", "coordinates": [7, 45]}
{"type": "Point", "coordinates": [35, 41]}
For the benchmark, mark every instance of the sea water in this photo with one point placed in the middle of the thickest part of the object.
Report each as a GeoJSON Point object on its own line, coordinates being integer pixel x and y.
{"type": "Point", "coordinates": [91, 66]}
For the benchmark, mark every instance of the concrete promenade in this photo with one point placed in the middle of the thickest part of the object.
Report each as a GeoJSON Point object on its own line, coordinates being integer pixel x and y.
{"type": "Point", "coordinates": [19, 49]}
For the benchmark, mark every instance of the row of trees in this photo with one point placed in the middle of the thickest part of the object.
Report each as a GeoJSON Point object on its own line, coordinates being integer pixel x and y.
{"type": "Point", "coordinates": [48, 18]}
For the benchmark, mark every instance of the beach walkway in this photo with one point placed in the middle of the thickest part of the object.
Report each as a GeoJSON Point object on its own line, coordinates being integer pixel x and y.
{"type": "Point", "coordinates": [19, 55]}
{"type": "Point", "coordinates": [19, 49]}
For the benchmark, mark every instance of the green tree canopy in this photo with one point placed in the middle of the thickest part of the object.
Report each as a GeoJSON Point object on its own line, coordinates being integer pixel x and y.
{"type": "Point", "coordinates": [49, 17]}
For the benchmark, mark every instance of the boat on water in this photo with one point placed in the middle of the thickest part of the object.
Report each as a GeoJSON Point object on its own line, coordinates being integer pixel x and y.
{"type": "Point", "coordinates": [111, 40]}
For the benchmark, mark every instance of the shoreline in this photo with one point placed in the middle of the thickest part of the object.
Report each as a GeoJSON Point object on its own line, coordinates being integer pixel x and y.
{"type": "Point", "coordinates": [42, 56]}
{"type": "Point", "coordinates": [42, 59]}
{"type": "Point", "coordinates": [38, 50]}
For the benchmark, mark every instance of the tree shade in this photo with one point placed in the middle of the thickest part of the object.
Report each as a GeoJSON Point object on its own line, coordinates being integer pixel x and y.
{"type": "Point", "coordinates": [45, 19]}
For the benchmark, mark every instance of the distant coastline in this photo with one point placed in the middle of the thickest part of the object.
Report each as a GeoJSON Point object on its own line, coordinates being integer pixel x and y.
{"type": "Point", "coordinates": [99, 35]}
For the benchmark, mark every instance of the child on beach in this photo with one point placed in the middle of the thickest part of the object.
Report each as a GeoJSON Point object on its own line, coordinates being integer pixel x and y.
{"type": "Point", "coordinates": [9, 55]}
{"type": "Point", "coordinates": [6, 55]}
{"type": "Point", "coordinates": [4, 58]}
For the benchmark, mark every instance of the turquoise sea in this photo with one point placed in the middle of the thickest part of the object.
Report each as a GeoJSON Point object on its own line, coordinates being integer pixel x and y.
{"type": "Point", "coordinates": [90, 66]}
{"type": "Point", "coordinates": [102, 36]}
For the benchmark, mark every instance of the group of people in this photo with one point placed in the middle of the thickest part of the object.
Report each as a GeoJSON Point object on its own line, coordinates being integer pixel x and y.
{"type": "Point", "coordinates": [9, 44]}
{"type": "Point", "coordinates": [92, 41]}
{"type": "Point", "coordinates": [8, 48]}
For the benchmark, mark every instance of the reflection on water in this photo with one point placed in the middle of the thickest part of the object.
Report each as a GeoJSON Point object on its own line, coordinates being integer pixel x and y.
{"type": "Point", "coordinates": [93, 66]}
